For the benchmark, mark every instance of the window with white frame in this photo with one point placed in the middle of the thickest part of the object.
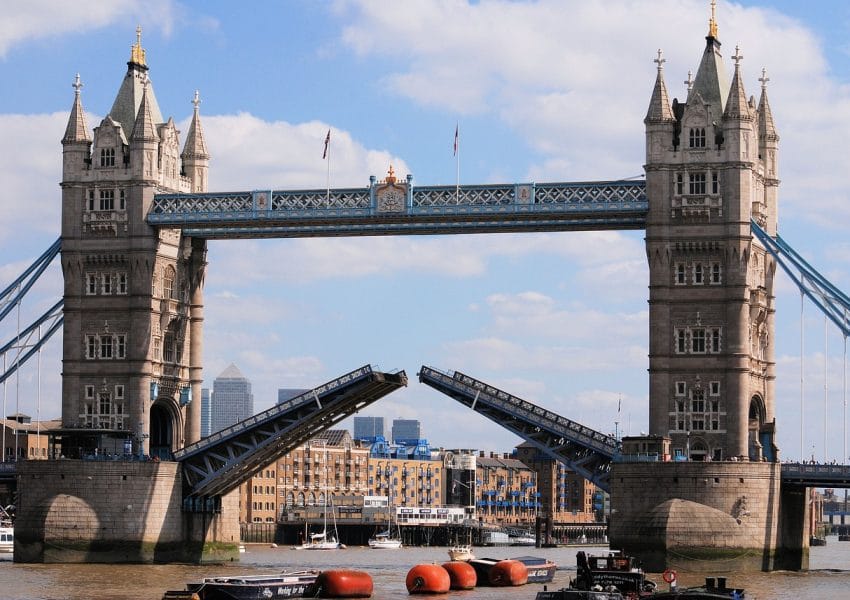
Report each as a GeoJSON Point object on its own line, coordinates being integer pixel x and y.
{"type": "Point", "coordinates": [681, 341]}
{"type": "Point", "coordinates": [89, 392]}
{"type": "Point", "coordinates": [157, 348]}
{"type": "Point", "coordinates": [91, 284]}
{"type": "Point", "coordinates": [107, 157]}
{"type": "Point", "coordinates": [122, 199]}
{"type": "Point", "coordinates": [91, 200]}
{"type": "Point", "coordinates": [680, 184]}
{"type": "Point", "coordinates": [696, 137]}
{"type": "Point", "coordinates": [715, 339]}
{"type": "Point", "coordinates": [696, 183]}
{"type": "Point", "coordinates": [122, 284]}
{"type": "Point", "coordinates": [91, 346]}
{"type": "Point", "coordinates": [106, 283]}
{"type": "Point", "coordinates": [715, 183]}
{"type": "Point", "coordinates": [681, 388]}
{"type": "Point", "coordinates": [698, 274]}
{"type": "Point", "coordinates": [168, 276]}
{"type": "Point", "coordinates": [119, 392]}
{"type": "Point", "coordinates": [698, 340]}
{"type": "Point", "coordinates": [680, 276]}
{"type": "Point", "coordinates": [107, 199]}
{"type": "Point", "coordinates": [714, 278]}
{"type": "Point", "coordinates": [106, 346]}
{"type": "Point", "coordinates": [714, 388]}
{"type": "Point", "coordinates": [120, 345]}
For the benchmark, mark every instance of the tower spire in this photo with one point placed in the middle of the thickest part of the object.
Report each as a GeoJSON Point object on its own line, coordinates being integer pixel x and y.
{"type": "Point", "coordinates": [659, 104]}
{"type": "Point", "coordinates": [712, 22]}
{"type": "Point", "coordinates": [736, 104]}
{"type": "Point", "coordinates": [77, 129]}
{"type": "Point", "coordinates": [137, 53]}
{"type": "Point", "coordinates": [195, 146]}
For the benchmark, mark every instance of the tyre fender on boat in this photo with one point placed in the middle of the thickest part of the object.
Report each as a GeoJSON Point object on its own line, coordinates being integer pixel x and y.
{"type": "Point", "coordinates": [508, 572]}
{"type": "Point", "coordinates": [462, 575]}
{"type": "Point", "coordinates": [428, 579]}
{"type": "Point", "coordinates": [341, 583]}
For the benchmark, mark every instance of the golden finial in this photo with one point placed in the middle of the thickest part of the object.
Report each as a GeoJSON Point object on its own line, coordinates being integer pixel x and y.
{"type": "Point", "coordinates": [712, 23]}
{"type": "Point", "coordinates": [391, 175]}
{"type": "Point", "coordinates": [137, 53]}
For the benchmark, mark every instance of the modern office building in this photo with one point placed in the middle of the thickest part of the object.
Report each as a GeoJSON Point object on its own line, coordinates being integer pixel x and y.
{"type": "Point", "coordinates": [206, 408]}
{"type": "Point", "coordinates": [405, 431]}
{"type": "Point", "coordinates": [368, 428]}
{"type": "Point", "coordinates": [232, 400]}
{"type": "Point", "coordinates": [284, 394]}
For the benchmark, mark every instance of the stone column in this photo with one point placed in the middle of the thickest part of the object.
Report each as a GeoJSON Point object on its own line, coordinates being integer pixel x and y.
{"type": "Point", "coordinates": [192, 431]}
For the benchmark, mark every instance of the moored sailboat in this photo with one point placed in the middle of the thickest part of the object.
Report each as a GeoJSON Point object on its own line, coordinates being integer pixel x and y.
{"type": "Point", "coordinates": [389, 539]}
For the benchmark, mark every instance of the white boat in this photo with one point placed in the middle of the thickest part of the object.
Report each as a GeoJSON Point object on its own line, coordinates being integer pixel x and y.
{"type": "Point", "coordinates": [7, 532]}
{"type": "Point", "coordinates": [461, 552]}
{"type": "Point", "coordinates": [324, 540]}
{"type": "Point", "coordinates": [386, 540]}
{"type": "Point", "coordinates": [7, 538]}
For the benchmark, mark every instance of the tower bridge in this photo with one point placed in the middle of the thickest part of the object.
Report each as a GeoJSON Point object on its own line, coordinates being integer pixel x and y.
{"type": "Point", "coordinates": [136, 217]}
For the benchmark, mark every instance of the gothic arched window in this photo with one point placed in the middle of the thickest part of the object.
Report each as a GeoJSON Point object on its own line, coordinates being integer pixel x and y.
{"type": "Point", "coordinates": [696, 137]}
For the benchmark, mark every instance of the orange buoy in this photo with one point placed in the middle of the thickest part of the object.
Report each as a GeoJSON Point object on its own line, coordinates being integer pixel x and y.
{"type": "Point", "coordinates": [508, 572]}
{"type": "Point", "coordinates": [462, 575]}
{"type": "Point", "coordinates": [341, 583]}
{"type": "Point", "coordinates": [428, 579]}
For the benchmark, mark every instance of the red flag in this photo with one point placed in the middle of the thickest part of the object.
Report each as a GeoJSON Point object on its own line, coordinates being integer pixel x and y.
{"type": "Point", "coordinates": [327, 142]}
{"type": "Point", "coordinates": [455, 146]}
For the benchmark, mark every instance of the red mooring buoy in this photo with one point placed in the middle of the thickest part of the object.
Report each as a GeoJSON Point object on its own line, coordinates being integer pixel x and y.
{"type": "Point", "coordinates": [461, 574]}
{"type": "Point", "coordinates": [341, 583]}
{"type": "Point", "coordinates": [508, 572]}
{"type": "Point", "coordinates": [428, 579]}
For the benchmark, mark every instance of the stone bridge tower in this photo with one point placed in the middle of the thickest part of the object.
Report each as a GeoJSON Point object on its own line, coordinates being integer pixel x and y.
{"type": "Point", "coordinates": [711, 167]}
{"type": "Point", "coordinates": [133, 298]}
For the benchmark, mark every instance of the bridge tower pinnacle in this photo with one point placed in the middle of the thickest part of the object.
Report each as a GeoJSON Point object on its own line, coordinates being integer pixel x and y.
{"type": "Point", "coordinates": [710, 169]}
{"type": "Point", "coordinates": [133, 296]}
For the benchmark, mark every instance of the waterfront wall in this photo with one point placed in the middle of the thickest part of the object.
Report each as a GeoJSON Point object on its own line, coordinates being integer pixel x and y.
{"type": "Point", "coordinates": [713, 516]}
{"type": "Point", "coordinates": [116, 511]}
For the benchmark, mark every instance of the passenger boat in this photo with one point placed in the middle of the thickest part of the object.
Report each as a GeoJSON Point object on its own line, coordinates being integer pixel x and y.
{"type": "Point", "coordinates": [461, 552]}
{"type": "Point", "coordinates": [615, 576]}
{"type": "Point", "coordinates": [7, 532]}
{"type": "Point", "coordinates": [522, 539]}
{"type": "Point", "coordinates": [288, 584]}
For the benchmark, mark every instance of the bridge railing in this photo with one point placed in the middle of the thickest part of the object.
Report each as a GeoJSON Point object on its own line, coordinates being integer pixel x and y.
{"type": "Point", "coordinates": [529, 412]}
{"type": "Point", "coordinates": [313, 395]}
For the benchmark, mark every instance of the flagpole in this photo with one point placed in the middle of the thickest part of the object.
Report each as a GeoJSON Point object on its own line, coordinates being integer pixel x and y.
{"type": "Point", "coordinates": [457, 162]}
{"type": "Point", "coordinates": [328, 178]}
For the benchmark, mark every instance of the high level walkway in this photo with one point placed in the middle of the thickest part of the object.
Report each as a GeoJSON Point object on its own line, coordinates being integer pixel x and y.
{"type": "Point", "coordinates": [408, 210]}
{"type": "Point", "coordinates": [219, 463]}
{"type": "Point", "coordinates": [589, 453]}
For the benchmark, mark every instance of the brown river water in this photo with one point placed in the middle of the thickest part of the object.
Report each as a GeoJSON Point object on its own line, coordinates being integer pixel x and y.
{"type": "Point", "coordinates": [828, 578]}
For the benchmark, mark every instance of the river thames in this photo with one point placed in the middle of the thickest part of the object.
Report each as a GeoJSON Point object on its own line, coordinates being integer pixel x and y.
{"type": "Point", "coordinates": [829, 576]}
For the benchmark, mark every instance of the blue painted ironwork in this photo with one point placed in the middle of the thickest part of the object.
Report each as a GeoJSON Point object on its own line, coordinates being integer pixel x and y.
{"type": "Point", "coordinates": [221, 462]}
{"type": "Point", "coordinates": [834, 303]}
{"type": "Point", "coordinates": [32, 338]}
{"type": "Point", "coordinates": [18, 288]}
{"type": "Point", "coordinates": [586, 451]}
{"type": "Point", "coordinates": [426, 210]}
{"type": "Point", "coordinates": [815, 475]}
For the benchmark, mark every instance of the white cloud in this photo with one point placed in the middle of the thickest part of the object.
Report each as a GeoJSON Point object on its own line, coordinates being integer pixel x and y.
{"type": "Point", "coordinates": [40, 19]}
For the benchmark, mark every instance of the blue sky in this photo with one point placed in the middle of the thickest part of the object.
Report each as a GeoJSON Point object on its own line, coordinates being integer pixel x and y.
{"type": "Point", "coordinates": [542, 91]}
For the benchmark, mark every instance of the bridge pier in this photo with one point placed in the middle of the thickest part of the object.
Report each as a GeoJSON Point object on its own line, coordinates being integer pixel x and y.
{"type": "Point", "coordinates": [716, 516]}
{"type": "Point", "coordinates": [80, 511]}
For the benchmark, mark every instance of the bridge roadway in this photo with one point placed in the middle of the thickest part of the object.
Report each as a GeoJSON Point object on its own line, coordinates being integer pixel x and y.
{"type": "Point", "coordinates": [520, 207]}
{"type": "Point", "coordinates": [221, 462]}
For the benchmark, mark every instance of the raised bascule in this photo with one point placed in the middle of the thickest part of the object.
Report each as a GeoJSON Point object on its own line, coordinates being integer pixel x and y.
{"type": "Point", "coordinates": [705, 484]}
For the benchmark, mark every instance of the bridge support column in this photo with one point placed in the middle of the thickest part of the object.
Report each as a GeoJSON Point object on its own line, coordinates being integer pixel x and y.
{"type": "Point", "coordinates": [793, 553]}
{"type": "Point", "coordinates": [192, 430]}
{"type": "Point", "coordinates": [697, 515]}
{"type": "Point", "coordinates": [78, 511]}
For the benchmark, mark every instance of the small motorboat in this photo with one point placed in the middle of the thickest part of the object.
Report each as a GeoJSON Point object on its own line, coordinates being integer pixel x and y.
{"type": "Point", "coordinates": [461, 552]}
{"type": "Point", "coordinates": [288, 584]}
{"type": "Point", "coordinates": [540, 570]}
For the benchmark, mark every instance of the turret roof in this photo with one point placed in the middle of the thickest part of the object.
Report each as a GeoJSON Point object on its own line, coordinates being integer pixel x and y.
{"type": "Point", "coordinates": [129, 98]}
{"type": "Point", "coordinates": [195, 146]}
{"type": "Point", "coordinates": [736, 104]}
{"type": "Point", "coordinates": [77, 129]}
{"type": "Point", "coordinates": [144, 127]}
{"type": "Point", "coordinates": [767, 129]}
{"type": "Point", "coordinates": [659, 104]}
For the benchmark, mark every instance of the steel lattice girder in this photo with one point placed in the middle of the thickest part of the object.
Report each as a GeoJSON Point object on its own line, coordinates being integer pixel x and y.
{"type": "Point", "coordinates": [517, 207]}
{"type": "Point", "coordinates": [224, 460]}
{"type": "Point", "coordinates": [816, 475]}
{"type": "Point", "coordinates": [587, 452]}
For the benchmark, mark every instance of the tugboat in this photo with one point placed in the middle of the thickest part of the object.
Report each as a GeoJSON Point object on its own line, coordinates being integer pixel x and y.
{"type": "Point", "coordinates": [616, 576]}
